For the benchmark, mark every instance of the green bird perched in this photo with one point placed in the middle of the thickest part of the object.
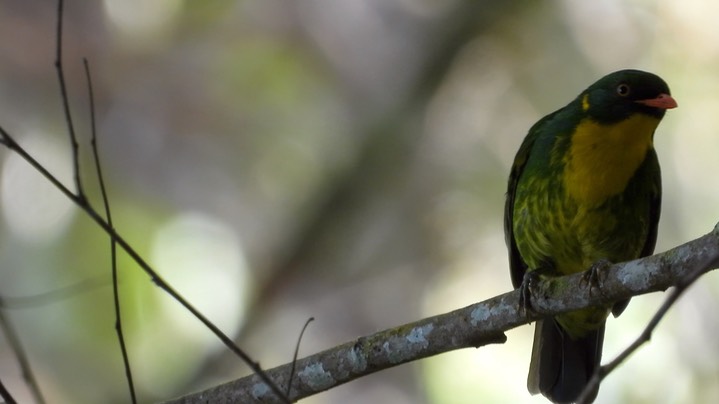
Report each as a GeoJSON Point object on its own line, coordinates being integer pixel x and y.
{"type": "Point", "coordinates": [585, 188]}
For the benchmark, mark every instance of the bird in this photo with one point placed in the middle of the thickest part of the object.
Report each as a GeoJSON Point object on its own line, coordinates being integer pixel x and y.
{"type": "Point", "coordinates": [584, 189]}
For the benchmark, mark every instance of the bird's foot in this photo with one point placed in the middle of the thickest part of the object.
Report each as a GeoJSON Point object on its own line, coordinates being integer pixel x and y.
{"type": "Point", "coordinates": [593, 277]}
{"type": "Point", "coordinates": [525, 294]}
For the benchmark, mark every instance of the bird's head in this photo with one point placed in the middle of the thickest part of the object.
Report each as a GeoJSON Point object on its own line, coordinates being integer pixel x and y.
{"type": "Point", "coordinates": [621, 94]}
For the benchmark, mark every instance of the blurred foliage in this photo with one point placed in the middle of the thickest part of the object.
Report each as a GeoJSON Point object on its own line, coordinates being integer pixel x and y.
{"type": "Point", "coordinates": [342, 159]}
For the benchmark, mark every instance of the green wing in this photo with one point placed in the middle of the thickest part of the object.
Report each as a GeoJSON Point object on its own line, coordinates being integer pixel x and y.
{"type": "Point", "coordinates": [655, 208]}
{"type": "Point", "coordinates": [517, 266]}
{"type": "Point", "coordinates": [656, 205]}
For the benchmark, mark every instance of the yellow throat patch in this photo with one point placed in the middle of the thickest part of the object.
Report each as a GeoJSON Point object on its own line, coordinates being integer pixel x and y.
{"type": "Point", "coordinates": [603, 158]}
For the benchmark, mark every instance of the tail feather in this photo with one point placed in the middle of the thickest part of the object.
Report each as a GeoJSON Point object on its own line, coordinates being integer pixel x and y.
{"type": "Point", "coordinates": [561, 366]}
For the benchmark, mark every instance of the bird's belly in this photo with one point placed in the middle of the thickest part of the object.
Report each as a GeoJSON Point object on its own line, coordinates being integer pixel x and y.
{"type": "Point", "coordinates": [568, 238]}
{"type": "Point", "coordinates": [615, 233]}
{"type": "Point", "coordinates": [563, 237]}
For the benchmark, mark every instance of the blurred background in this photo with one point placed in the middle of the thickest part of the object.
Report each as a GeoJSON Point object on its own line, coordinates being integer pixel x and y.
{"type": "Point", "coordinates": [342, 159]}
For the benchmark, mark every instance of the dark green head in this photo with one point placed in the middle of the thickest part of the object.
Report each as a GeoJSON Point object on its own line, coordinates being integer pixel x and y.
{"type": "Point", "coordinates": [621, 94]}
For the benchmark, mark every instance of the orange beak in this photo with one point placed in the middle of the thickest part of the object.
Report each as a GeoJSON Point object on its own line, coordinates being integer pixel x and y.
{"type": "Point", "coordinates": [663, 101]}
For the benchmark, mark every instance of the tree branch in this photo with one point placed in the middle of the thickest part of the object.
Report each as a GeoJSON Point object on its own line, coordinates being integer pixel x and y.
{"type": "Point", "coordinates": [473, 326]}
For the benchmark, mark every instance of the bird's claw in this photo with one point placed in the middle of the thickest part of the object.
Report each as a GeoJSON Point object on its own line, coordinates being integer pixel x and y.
{"type": "Point", "coordinates": [525, 294]}
{"type": "Point", "coordinates": [593, 277]}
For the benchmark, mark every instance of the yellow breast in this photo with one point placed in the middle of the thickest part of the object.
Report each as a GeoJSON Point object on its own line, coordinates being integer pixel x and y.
{"type": "Point", "coordinates": [603, 158]}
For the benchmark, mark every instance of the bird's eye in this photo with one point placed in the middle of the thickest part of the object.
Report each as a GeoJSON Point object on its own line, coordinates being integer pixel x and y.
{"type": "Point", "coordinates": [623, 90]}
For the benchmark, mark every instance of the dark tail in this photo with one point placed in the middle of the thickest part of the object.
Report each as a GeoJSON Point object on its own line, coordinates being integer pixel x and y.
{"type": "Point", "coordinates": [561, 366]}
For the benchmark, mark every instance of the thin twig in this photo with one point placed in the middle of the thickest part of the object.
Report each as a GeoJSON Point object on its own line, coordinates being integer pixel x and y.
{"type": "Point", "coordinates": [154, 276]}
{"type": "Point", "coordinates": [5, 395]}
{"type": "Point", "coordinates": [646, 335]}
{"type": "Point", "coordinates": [297, 351]}
{"type": "Point", "coordinates": [113, 244]}
{"type": "Point", "coordinates": [52, 296]}
{"type": "Point", "coordinates": [66, 104]}
{"type": "Point", "coordinates": [21, 356]}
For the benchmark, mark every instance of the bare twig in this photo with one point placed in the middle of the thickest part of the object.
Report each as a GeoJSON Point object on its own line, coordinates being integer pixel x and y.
{"type": "Point", "coordinates": [66, 104]}
{"type": "Point", "coordinates": [297, 351]}
{"type": "Point", "coordinates": [472, 326]}
{"type": "Point", "coordinates": [52, 296]}
{"type": "Point", "coordinates": [5, 395]}
{"type": "Point", "coordinates": [19, 351]}
{"type": "Point", "coordinates": [113, 244]}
